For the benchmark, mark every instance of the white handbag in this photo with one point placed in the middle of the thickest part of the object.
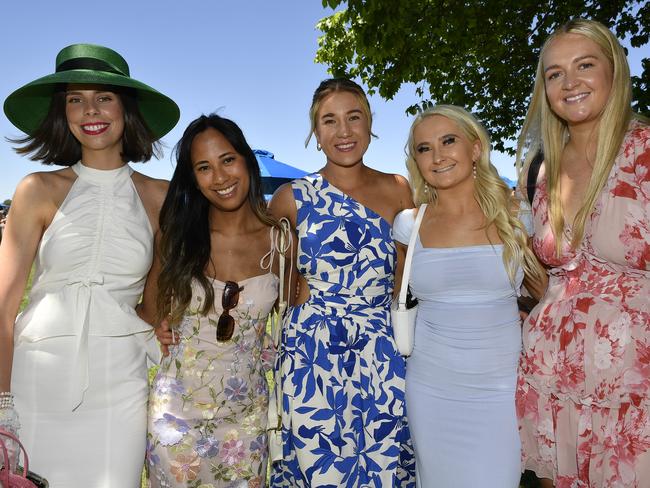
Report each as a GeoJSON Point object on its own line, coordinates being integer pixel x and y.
{"type": "Point", "coordinates": [403, 318]}
{"type": "Point", "coordinates": [274, 419]}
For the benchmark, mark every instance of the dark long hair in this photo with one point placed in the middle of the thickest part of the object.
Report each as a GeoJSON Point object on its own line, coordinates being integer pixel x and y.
{"type": "Point", "coordinates": [53, 143]}
{"type": "Point", "coordinates": [184, 225]}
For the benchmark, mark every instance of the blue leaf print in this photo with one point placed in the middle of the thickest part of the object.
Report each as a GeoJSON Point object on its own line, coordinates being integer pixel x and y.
{"type": "Point", "coordinates": [343, 380]}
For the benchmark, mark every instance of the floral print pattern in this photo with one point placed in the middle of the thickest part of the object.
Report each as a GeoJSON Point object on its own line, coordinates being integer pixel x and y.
{"type": "Point", "coordinates": [208, 403]}
{"type": "Point", "coordinates": [343, 412]}
{"type": "Point", "coordinates": [583, 394]}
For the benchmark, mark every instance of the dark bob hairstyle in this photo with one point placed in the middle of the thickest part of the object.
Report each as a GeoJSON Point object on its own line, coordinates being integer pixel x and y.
{"type": "Point", "coordinates": [53, 143]}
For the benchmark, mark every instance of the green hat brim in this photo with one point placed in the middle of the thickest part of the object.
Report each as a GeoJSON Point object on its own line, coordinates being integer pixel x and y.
{"type": "Point", "coordinates": [27, 107]}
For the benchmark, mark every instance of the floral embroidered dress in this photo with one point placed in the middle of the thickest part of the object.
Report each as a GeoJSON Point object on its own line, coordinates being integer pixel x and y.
{"type": "Point", "coordinates": [583, 396]}
{"type": "Point", "coordinates": [343, 419]}
{"type": "Point", "coordinates": [208, 402]}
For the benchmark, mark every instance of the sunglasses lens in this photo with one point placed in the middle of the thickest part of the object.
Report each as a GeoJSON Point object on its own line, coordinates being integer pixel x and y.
{"type": "Point", "coordinates": [230, 295]}
{"type": "Point", "coordinates": [225, 327]}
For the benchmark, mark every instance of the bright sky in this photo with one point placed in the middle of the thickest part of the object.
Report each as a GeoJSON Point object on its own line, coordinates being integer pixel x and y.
{"type": "Point", "coordinates": [250, 60]}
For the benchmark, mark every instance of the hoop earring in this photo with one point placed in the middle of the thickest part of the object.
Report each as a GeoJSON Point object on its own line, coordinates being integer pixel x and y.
{"type": "Point", "coordinates": [474, 169]}
{"type": "Point", "coordinates": [318, 146]}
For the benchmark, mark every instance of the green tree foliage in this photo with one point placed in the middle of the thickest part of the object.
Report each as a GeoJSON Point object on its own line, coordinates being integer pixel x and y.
{"type": "Point", "coordinates": [7, 202]}
{"type": "Point", "coordinates": [479, 54]}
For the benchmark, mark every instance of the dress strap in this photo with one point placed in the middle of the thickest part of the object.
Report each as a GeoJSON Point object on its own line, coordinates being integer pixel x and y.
{"type": "Point", "coordinates": [281, 240]}
{"type": "Point", "coordinates": [266, 262]}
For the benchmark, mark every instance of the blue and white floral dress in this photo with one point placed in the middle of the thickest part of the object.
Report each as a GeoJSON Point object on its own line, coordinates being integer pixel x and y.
{"type": "Point", "coordinates": [343, 418]}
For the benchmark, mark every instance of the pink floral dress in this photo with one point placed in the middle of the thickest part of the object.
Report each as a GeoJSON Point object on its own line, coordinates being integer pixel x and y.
{"type": "Point", "coordinates": [583, 393]}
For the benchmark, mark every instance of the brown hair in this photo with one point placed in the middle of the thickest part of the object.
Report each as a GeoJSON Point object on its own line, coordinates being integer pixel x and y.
{"type": "Point", "coordinates": [333, 85]}
{"type": "Point", "coordinates": [53, 143]}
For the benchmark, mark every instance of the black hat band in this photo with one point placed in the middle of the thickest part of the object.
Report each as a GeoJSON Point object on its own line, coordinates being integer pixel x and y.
{"type": "Point", "coordinates": [90, 64]}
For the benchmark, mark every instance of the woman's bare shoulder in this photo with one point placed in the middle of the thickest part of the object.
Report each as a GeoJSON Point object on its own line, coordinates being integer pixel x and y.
{"type": "Point", "coordinates": [395, 187]}
{"type": "Point", "coordinates": [46, 186]}
{"type": "Point", "coordinates": [154, 189]}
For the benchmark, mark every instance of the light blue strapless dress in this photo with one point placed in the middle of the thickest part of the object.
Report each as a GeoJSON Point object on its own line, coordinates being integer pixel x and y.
{"type": "Point", "coordinates": [461, 377]}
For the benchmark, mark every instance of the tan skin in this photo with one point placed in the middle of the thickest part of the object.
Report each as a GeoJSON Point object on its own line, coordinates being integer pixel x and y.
{"type": "Point", "coordinates": [38, 197]}
{"type": "Point", "coordinates": [218, 168]}
{"type": "Point", "coordinates": [343, 132]}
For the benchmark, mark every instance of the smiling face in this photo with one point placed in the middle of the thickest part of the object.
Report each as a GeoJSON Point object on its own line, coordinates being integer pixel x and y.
{"type": "Point", "coordinates": [577, 79]}
{"type": "Point", "coordinates": [443, 153]}
{"type": "Point", "coordinates": [220, 171]}
{"type": "Point", "coordinates": [96, 118]}
{"type": "Point", "coordinates": [342, 129]}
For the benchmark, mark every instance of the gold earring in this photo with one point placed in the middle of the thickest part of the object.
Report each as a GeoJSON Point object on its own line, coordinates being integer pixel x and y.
{"type": "Point", "coordinates": [474, 169]}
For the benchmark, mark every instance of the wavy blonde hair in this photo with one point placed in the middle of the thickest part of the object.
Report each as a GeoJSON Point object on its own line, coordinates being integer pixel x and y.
{"type": "Point", "coordinates": [544, 131]}
{"type": "Point", "coordinates": [493, 196]}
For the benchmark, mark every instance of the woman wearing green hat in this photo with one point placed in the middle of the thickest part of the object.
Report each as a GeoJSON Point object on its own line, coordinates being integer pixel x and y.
{"type": "Point", "coordinates": [74, 362]}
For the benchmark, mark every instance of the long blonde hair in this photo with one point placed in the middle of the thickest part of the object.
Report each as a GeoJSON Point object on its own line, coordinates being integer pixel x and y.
{"type": "Point", "coordinates": [493, 196]}
{"type": "Point", "coordinates": [544, 131]}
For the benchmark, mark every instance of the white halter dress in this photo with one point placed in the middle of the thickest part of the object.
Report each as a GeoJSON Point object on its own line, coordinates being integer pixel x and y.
{"type": "Point", "coordinates": [79, 370]}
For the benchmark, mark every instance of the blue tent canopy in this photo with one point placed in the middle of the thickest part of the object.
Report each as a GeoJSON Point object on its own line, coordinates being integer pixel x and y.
{"type": "Point", "coordinates": [275, 173]}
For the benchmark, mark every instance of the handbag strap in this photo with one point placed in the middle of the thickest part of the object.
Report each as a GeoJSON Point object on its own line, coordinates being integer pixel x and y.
{"type": "Point", "coordinates": [4, 472]}
{"type": "Point", "coordinates": [5, 453]}
{"type": "Point", "coordinates": [406, 273]}
{"type": "Point", "coordinates": [285, 243]}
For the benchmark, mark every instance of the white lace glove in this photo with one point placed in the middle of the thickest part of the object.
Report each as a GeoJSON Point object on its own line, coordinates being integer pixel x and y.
{"type": "Point", "coordinates": [9, 421]}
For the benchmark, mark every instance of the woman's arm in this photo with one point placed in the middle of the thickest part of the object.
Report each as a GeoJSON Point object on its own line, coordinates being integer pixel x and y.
{"type": "Point", "coordinates": [399, 268]}
{"type": "Point", "coordinates": [152, 193]}
{"type": "Point", "coordinates": [148, 308]}
{"type": "Point", "coordinates": [403, 199]}
{"type": "Point", "coordinates": [282, 205]}
{"type": "Point", "coordinates": [20, 240]}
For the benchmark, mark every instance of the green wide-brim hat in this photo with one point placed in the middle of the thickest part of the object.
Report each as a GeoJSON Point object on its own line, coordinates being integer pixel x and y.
{"type": "Point", "coordinates": [88, 63]}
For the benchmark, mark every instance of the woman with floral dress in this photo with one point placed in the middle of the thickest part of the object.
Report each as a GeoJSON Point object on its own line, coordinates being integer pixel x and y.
{"type": "Point", "coordinates": [584, 390]}
{"type": "Point", "coordinates": [343, 413]}
{"type": "Point", "coordinates": [214, 274]}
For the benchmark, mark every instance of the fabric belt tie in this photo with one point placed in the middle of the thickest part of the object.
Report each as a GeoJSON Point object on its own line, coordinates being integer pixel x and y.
{"type": "Point", "coordinates": [80, 373]}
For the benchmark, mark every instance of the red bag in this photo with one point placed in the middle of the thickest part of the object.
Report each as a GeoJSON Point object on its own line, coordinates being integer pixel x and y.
{"type": "Point", "coordinates": [8, 478]}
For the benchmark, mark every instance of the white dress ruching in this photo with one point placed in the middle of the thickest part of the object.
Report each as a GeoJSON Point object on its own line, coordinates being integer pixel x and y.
{"type": "Point", "coordinates": [79, 370]}
{"type": "Point", "coordinates": [461, 376]}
